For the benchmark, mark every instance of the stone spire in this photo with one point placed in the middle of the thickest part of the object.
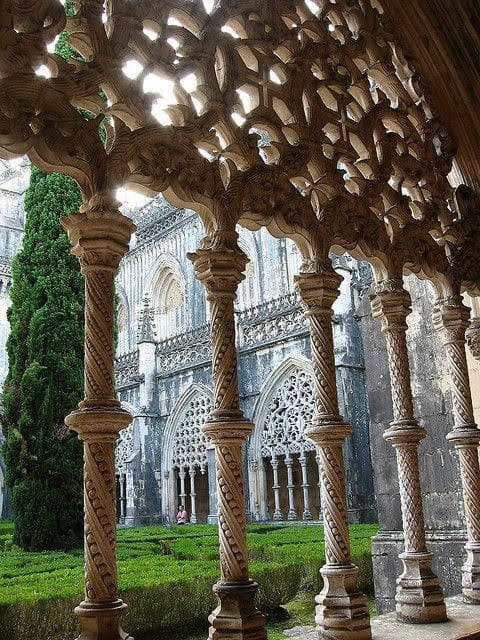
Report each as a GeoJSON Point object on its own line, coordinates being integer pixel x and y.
{"type": "Point", "coordinates": [146, 324]}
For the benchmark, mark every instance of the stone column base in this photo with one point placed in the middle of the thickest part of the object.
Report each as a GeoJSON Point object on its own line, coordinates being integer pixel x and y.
{"type": "Point", "coordinates": [419, 598]}
{"type": "Point", "coordinates": [342, 611]}
{"type": "Point", "coordinates": [236, 617]}
{"type": "Point", "coordinates": [101, 621]}
{"type": "Point", "coordinates": [471, 574]}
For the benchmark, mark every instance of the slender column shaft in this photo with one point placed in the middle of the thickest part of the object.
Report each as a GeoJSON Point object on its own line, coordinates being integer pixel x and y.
{"type": "Point", "coordinates": [183, 494]}
{"type": "Point", "coordinates": [319, 485]}
{"type": "Point", "coordinates": [419, 595]}
{"type": "Point", "coordinates": [123, 498]}
{"type": "Point", "coordinates": [292, 513]}
{"type": "Point", "coordinates": [100, 238]}
{"type": "Point", "coordinates": [220, 268]}
{"type": "Point", "coordinates": [451, 319]}
{"type": "Point", "coordinates": [342, 611]}
{"type": "Point", "coordinates": [277, 515]}
{"type": "Point", "coordinates": [307, 514]}
{"type": "Point", "coordinates": [193, 497]}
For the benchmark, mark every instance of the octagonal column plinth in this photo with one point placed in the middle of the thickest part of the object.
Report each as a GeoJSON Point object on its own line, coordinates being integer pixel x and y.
{"type": "Point", "coordinates": [100, 238]}
{"type": "Point", "coordinates": [342, 611]}
{"type": "Point", "coordinates": [220, 269]}
{"type": "Point", "coordinates": [419, 597]}
{"type": "Point", "coordinates": [451, 320]}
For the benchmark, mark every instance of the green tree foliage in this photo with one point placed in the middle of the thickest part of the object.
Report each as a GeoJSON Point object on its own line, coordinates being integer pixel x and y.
{"type": "Point", "coordinates": [45, 378]}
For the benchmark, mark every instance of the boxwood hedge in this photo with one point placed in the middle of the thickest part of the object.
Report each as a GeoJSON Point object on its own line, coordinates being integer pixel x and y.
{"type": "Point", "coordinates": [165, 576]}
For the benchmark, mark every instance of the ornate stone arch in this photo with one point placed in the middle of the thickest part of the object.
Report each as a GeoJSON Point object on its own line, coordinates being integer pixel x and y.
{"type": "Point", "coordinates": [126, 445]}
{"type": "Point", "coordinates": [190, 410]}
{"type": "Point", "coordinates": [292, 377]}
{"type": "Point", "coordinates": [248, 291]}
{"type": "Point", "coordinates": [123, 321]}
{"type": "Point", "coordinates": [165, 284]}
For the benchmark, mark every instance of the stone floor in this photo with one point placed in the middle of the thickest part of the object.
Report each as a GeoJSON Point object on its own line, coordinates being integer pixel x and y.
{"type": "Point", "coordinates": [463, 624]}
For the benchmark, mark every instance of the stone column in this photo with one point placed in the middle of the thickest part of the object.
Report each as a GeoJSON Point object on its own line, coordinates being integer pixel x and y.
{"type": "Point", "coordinates": [342, 611]}
{"type": "Point", "coordinates": [220, 268]}
{"type": "Point", "coordinates": [99, 238]}
{"type": "Point", "coordinates": [123, 496]}
{"type": "Point", "coordinates": [419, 596]}
{"type": "Point", "coordinates": [451, 320]}
{"type": "Point", "coordinates": [212, 486]}
{"type": "Point", "coordinates": [253, 480]}
{"type": "Point", "coordinates": [193, 497]}
{"type": "Point", "coordinates": [292, 513]}
{"type": "Point", "coordinates": [307, 514]}
{"type": "Point", "coordinates": [319, 485]}
{"type": "Point", "coordinates": [277, 514]}
{"type": "Point", "coordinates": [183, 494]}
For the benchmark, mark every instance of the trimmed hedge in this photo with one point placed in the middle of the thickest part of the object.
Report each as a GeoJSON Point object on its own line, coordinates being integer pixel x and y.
{"type": "Point", "coordinates": [165, 576]}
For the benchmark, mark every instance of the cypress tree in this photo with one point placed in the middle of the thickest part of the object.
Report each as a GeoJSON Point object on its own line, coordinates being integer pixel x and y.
{"type": "Point", "coordinates": [45, 377]}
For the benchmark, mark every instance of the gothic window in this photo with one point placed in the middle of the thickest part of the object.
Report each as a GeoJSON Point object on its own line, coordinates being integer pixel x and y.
{"type": "Point", "coordinates": [294, 261]}
{"type": "Point", "coordinates": [190, 445]}
{"type": "Point", "coordinates": [124, 449]}
{"type": "Point", "coordinates": [168, 299]}
{"type": "Point", "coordinates": [291, 409]}
{"type": "Point", "coordinates": [122, 328]}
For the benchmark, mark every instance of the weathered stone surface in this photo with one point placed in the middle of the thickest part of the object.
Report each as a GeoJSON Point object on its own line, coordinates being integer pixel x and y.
{"type": "Point", "coordinates": [463, 624]}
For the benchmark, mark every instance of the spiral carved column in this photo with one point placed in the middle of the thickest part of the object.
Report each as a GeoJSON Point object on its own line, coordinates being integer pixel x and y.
{"type": "Point", "coordinates": [342, 611]}
{"type": "Point", "coordinates": [451, 320]}
{"type": "Point", "coordinates": [220, 268]}
{"type": "Point", "coordinates": [100, 238]}
{"type": "Point", "coordinates": [419, 595]}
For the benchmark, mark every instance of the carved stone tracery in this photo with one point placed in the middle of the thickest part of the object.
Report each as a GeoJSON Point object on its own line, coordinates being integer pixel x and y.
{"type": "Point", "coordinates": [190, 447]}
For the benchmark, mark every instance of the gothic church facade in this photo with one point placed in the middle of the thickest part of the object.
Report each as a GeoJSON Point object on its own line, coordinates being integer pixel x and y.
{"type": "Point", "coordinates": [164, 377]}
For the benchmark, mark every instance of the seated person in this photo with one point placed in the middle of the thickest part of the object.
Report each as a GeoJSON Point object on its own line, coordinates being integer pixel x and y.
{"type": "Point", "coordinates": [182, 515]}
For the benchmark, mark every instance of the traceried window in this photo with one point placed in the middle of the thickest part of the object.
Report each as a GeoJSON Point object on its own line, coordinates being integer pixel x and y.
{"type": "Point", "coordinates": [290, 411]}
{"type": "Point", "coordinates": [122, 328]}
{"type": "Point", "coordinates": [124, 449]}
{"type": "Point", "coordinates": [190, 446]}
{"type": "Point", "coordinates": [168, 299]}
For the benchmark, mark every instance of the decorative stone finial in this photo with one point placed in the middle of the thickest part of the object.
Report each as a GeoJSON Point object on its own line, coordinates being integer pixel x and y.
{"type": "Point", "coordinates": [146, 324]}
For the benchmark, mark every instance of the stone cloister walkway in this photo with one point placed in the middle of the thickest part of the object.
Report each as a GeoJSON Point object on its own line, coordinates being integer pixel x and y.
{"type": "Point", "coordinates": [463, 624]}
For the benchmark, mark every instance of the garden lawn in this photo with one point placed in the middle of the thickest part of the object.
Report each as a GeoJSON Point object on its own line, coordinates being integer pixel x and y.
{"type": "Point", "coordinates": [165, 575]}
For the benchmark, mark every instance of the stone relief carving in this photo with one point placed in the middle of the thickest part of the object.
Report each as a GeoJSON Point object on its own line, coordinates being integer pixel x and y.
{"type": "Point", "coordinates": [190, 448]}
{"type": "Point", "coordinates": [291, 409]}
{"type": "Point", "coordinates": [124, 449]}
{"type": "Point", "coordinates": [126, 370]}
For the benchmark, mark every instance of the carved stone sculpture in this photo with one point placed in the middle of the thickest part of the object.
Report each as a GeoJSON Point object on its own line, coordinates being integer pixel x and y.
{"type": "Point", "coordinates": [220, 268]}
{"type": "Point", "coordinates": [342, 610]}
{"type": "Point", "coordinates": [451, 320]}
{"type": "Point", "coordinates": [99, 236]}
{"type": "Point", "coordinates": [419, 595]}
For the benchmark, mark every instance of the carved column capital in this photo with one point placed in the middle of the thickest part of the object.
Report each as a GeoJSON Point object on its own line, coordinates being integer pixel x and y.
{"type": "Point", "coordinates": [99, 238]}
{"type": "Point", "coordinates": [391, 304]}
{"type": "Point", "coordinates": [451, 319]}
{"type": "Point", "coordinates": [220, 269]}
{"type": "Point", "coordinates": [318, 290]}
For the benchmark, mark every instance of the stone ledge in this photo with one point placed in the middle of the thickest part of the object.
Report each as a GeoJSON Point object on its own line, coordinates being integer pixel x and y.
{"type": "Point", "coordinates": [463, 624]}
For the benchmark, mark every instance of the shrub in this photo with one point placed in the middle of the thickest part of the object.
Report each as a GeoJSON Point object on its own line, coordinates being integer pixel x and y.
{"type": "Point", "coordinates": [165, 576]}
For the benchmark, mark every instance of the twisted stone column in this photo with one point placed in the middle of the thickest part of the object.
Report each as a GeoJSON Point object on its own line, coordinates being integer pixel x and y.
{"type": "Point", "coordinates": [292, 514]}
{"type": "Point", "coordinates": [419, 596]}
{"type": "Point", "coordinates": [307, 514]}
{"type": "Point", "coordinates": [277, 514]}
{"type": "Point", "coordinates": [451, 320]}
{"type": "Point", "coordinates": [100, 238]}
{"type": "Point", "coordinates": [220, 268]}
{"type": "Point", "coordinates": [342, 611]}
{"type": "Point", "coordinates": [193, 497]}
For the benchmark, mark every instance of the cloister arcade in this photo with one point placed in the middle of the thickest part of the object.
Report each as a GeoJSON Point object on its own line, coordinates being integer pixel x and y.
{"type": "Point", "coordinates": [344, 124]}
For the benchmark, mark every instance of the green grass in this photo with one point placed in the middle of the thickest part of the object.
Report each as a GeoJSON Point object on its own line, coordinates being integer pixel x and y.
{"type": "Point", "coordinates": [165, 575]}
